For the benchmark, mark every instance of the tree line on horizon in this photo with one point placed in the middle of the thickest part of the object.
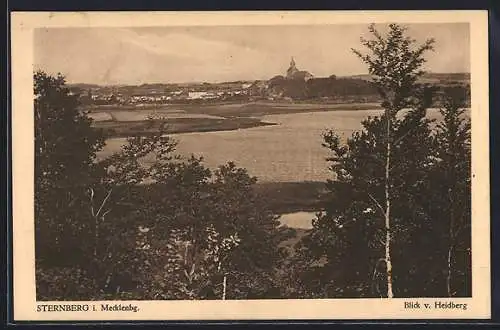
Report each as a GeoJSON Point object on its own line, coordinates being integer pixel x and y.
{"type": "Point", "coordinates": [396, 218]}
{"type": "Point", "coordinates": [339, 89]}
{"type": "Point", "coordinates": [348, 89]}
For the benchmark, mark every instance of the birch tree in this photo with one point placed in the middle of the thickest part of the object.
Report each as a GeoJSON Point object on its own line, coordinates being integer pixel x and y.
{"type": "Point", "coordinates": [374, 210]}
{"type": "Point", "coordinates": [394, 63]}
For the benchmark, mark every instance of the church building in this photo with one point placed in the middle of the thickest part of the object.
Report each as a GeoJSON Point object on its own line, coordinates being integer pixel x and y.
{"type": "Point", "coordinates": [294, 73]}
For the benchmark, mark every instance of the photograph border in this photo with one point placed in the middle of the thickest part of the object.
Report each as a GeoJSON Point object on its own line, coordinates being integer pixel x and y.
{"type": "Point", "coordinates": [22, 157]}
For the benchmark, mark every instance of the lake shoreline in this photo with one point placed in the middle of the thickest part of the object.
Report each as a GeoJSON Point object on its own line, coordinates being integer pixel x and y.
{"type": "Point", "coordinates": [115, 130]}
{"type": "Point", "coordinates": [230, 117]}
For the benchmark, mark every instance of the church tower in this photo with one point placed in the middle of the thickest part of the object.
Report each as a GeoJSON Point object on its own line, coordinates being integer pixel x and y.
{"type": "Point", "coordinates": [292, 69]}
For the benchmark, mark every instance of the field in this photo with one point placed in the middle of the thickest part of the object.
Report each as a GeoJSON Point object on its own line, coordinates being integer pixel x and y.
{"type": "Point", "coordinates": [122, 121]}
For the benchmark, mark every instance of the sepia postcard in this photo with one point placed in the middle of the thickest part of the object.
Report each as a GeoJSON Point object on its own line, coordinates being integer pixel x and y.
{"type": "Point", "coordinates": [250, 165]}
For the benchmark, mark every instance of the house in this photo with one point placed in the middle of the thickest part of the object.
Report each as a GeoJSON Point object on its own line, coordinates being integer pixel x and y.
{"type": "Point", "coordinates": [196, 95]}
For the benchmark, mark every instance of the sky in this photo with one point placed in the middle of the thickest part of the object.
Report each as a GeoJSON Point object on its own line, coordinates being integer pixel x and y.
{"type": "Point", "coordinates": [225, 53]}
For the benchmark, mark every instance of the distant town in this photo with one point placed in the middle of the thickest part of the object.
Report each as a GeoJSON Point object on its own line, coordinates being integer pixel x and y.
{"type": "Point", "coordinates": [295, 85]}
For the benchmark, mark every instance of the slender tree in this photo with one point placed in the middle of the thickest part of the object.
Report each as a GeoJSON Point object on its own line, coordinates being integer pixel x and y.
{"type": "Point", "coordinates": [395, 63]}
{"type": "Point", "coordinates": [451, 187]}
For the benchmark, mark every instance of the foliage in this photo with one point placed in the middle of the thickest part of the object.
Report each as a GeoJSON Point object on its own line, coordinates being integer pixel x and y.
{"type": "Point", "coordinates": [338, 87]}
{"type": "Point", "coordinates": [65, 149]}
{"type": "Point", "coordinates": [344, 253]}
{"type": "Point", "coordinates": [450, 187]}
{"type": "Point", "coordinates": [395, 64]}
{"type": "Point", "coordinates": [173, 229]}
{"type": "Point", "coordinates": [65, 142]}
{"type": "Point", "coordinates": [349, 235]}
{"type": "Point", "coordinates": [70, 283]}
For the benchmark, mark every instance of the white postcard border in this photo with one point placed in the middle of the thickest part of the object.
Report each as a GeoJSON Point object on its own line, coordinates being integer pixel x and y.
{"type": "Point", "coordinates": [25, 305]}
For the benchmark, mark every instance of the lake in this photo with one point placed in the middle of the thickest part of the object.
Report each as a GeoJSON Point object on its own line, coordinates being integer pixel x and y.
{"type": "Point", "coordinates": [298, 219]}
{"type": "Point", "coordinates": [288, 152]}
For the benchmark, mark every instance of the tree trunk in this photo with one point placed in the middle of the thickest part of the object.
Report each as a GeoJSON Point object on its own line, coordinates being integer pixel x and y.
{"type": "Point", "coordinates": [388, 261]}
{"type": "Point", "coordinates": [448, 277]}
{"type": "Point", "coordinates": [451, 243]}
{"type": "Point", "coordinates": [224, 287]}
{"type": "Point", "coordinates": [96, 234]}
